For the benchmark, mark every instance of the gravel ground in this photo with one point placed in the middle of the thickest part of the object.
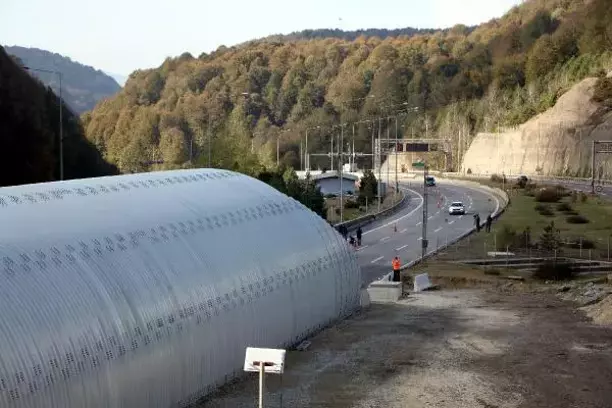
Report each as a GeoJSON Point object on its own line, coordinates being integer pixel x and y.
{"type": "Point", "coordinates": [480, 348]}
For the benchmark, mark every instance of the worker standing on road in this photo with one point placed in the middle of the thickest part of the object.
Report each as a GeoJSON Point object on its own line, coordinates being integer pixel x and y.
{"type": "Point", "coordinates": [488, 223]}
{"type": "Point", "coordinates": [396, 264]}
{"type": "Point", "coordinates": [359, 233]}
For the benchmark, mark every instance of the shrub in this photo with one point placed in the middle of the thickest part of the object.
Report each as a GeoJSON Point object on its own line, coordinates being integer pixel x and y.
{"type": "Point", "coordinates": [350, 204]}
{"type": "Point", "coordinates": [574, 197]}
{"type": "Point", "coordinates": [547, 195]}
{"type": "Point", "coordinates": [583, 197]}
{"type": "Point", "coordinates": [556, 271]}
{"type": "Point", "coordinates": [603, 91]}
{"type": "Point", "coordinates": [507, 237]}
{"type": "Point", "coordinates": [469, 171]}
{"type": "Point", "coordinates": [496, 178]}
{"type": "Point", "coordinates": [564, 207]}
{"type": "Point", "coordinates": [577, 219]}
{"type": "Point", "coordinates": [579, 242]}
{"type": "Point", "coordinates": [544, 210]}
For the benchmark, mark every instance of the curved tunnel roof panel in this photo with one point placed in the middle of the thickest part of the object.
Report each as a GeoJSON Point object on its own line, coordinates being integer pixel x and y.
{"type": "Point", "coordinates": [145, 289]}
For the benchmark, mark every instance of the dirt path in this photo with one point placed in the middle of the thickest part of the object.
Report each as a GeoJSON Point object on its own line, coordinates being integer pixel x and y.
{"type": "Point", "coordinates": [469, 348]}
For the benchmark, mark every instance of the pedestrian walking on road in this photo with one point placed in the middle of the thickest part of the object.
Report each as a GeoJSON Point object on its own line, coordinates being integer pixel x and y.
{"type": "Point", "coordinates": [488, 223]}
{"type": "Point", "coordinates": [477, 222]}
{"type": "Point", "coordinates": [359, 233]}
{"type": "Point", "coordinates": [396, 264]}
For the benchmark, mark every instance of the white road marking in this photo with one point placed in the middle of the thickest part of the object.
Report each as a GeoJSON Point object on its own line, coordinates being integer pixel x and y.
{"type": "Point", "coordinates": [419, 238]}
{"type": "Point", "coordinates": [419, 223]}
{"type": "Point", "coordinates": [438, 230]}
{"type": "Point", "coordinates": [378, 259]}
{"type": "Point", "coordinates": [363, 247]}
{"type": "Point", "coordinates": [400, 218]}
{"type": "Point", "coordinates": [404, 230]}
{"type": "Point", "coordinates": [430, 217]}
{"type": "Point", "coordinates": [385, 239]}
{"type": "Point", "coordinates": [402, 247]}
{"type": "Point", "coordinates": [461, 216]}
{"type": "Point", "coordinates": [452, 222]}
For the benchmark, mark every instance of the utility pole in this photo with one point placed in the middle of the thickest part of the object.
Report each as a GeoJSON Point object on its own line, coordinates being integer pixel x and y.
{"type": "Point", "coordinates": [209, 142]}
{"type": "Point", "coordinates": [379, 162]}
{"type": "Point", "coordinates": [424, 242]}
{"type": "Point", "coordinates": [388, 156]}
{"type": "Point", "coordinates": [331, 149]}
{"type": "Point", "coordinates": [373, 153]}
{"type": "Point", "coordinates": [301, 154]}
{"type": "Point", "coordinates": [396, 159]}
{"type": "Point", "coordinates": [341, 168]}
{"type": "Point", "coordinates": [593, 153]}
{"type": "Point", "coordinates": [306, 164]}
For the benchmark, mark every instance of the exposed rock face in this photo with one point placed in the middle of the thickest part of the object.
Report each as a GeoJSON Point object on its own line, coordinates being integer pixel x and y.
{"type": "Point", "coordinates": [556, 142]}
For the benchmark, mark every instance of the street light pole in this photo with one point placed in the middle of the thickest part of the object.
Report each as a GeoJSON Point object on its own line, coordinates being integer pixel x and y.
{"type": "Point", "coordinates": [61, 117]}
{"type": "Point", "coordinates": [341, 168]}
{"type": "Point", "coordinates": [61, 129]}
{"type": "Point", "coordinates": [396, 158]}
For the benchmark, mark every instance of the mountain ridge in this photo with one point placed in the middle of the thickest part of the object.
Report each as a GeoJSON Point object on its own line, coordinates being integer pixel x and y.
{"type": "Point", "coordinates": [83, 86]}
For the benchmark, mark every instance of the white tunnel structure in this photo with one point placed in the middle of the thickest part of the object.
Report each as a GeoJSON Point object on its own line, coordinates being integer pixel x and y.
{"type": "Point", "coordinates": [144, 290]}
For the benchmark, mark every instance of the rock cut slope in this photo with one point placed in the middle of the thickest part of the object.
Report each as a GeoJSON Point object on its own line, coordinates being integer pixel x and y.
{"type": "Point", "coordinates": [556, 142]}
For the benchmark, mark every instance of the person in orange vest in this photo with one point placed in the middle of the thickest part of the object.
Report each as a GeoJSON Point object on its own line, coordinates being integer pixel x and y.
{"type": "Point", "coordinates": [396, 264]}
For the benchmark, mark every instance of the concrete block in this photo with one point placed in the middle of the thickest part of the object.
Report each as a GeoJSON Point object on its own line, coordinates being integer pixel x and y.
{"type": "Point", "coordinates": [422, 282]}
{"type": "Point", "coordinates": [384, 291]}
{"type": "Point", "coordinates": [364, 300]}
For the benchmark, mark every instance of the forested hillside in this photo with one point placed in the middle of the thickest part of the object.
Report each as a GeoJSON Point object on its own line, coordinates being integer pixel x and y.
{"type": "Point", "coordinates": [462, 80]}
{"type": "Point", "coordinates": [29, 133]}
{"type": "Point", "coordinates": [82, 86]}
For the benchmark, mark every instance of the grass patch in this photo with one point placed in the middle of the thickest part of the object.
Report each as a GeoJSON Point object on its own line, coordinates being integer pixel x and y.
{"type": "Point", "coordinates": [523, 220]}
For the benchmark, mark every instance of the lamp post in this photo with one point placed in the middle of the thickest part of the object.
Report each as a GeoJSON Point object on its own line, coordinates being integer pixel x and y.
{"type": "Point", "coordinates": [61, 115]}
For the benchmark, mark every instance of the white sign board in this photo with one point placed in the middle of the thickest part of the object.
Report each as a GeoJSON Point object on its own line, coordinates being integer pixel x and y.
{"type": "Point", "coordinates": [273, 360]}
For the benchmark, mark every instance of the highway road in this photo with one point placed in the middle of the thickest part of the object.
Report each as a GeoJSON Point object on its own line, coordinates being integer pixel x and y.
{"type": "Point", "coordinates": [380, 243]}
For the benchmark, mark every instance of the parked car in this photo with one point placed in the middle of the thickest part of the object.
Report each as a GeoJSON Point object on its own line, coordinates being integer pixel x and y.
{"type": "Point", "coordinates": [430, 181]}
{"type": "Point", "coordinates": [456, 208]}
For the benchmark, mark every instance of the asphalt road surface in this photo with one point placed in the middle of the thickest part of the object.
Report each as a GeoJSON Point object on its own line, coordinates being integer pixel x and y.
{"type": "Point", "coordinates": [401, 234]}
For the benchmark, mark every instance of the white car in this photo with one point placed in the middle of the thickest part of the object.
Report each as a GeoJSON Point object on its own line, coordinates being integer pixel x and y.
{"type": "Point", "coordinates": [456, 208]}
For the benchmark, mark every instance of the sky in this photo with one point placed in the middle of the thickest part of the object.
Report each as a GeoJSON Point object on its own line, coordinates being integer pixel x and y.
{"type": "Point", "coordinates": [120, 36]}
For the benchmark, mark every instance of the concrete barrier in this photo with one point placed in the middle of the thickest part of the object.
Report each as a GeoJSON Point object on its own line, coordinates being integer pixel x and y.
{"type": "Point", "coordinates": [385, 292]}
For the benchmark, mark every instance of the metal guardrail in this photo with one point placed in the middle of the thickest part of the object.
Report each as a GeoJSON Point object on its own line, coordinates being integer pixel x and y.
{"type": "Point", "coordinates": [368, 219]}
{"type": "Point", "coordinates": [504, 201]}
{"type": "Point", "coordinates": [565, 179]}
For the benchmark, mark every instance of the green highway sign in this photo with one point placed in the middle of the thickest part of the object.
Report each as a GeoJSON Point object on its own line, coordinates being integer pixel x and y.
{"type": "Point", "coordinates": [418, 164]}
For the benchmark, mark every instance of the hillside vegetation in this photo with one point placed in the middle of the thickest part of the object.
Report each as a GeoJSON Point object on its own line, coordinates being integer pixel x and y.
{"type": "Point", "coordinates": [463, 80]}
{"type": "Point", "coordinates": [82, 86]}
{"type": "Point", "coordinates": [29, 133]}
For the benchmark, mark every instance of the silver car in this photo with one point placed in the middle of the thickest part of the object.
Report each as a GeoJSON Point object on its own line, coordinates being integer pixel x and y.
{"type": "Point", "coordinates": [456, 208]}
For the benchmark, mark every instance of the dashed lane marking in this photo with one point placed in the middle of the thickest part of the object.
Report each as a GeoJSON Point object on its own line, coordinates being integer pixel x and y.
{"type": "Point", "coordinates": [385, 239]}
{"type": "Point", "coordinates": [402, 217]}
{"type": "Point", "coordinates": [419, 238]}
{"type": "Point", "coordinates": [404, 230]}
{"type": "Point", "coordinates": [402, 247]}
{"type": "Point", "coordinates": [378, 259]}
{"type": "Point", "coordinates": [438, 230]}
{"type": "Point", "coordinates": [419, 223]}
{"type": "Point", "coordinates": [363, 247]}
